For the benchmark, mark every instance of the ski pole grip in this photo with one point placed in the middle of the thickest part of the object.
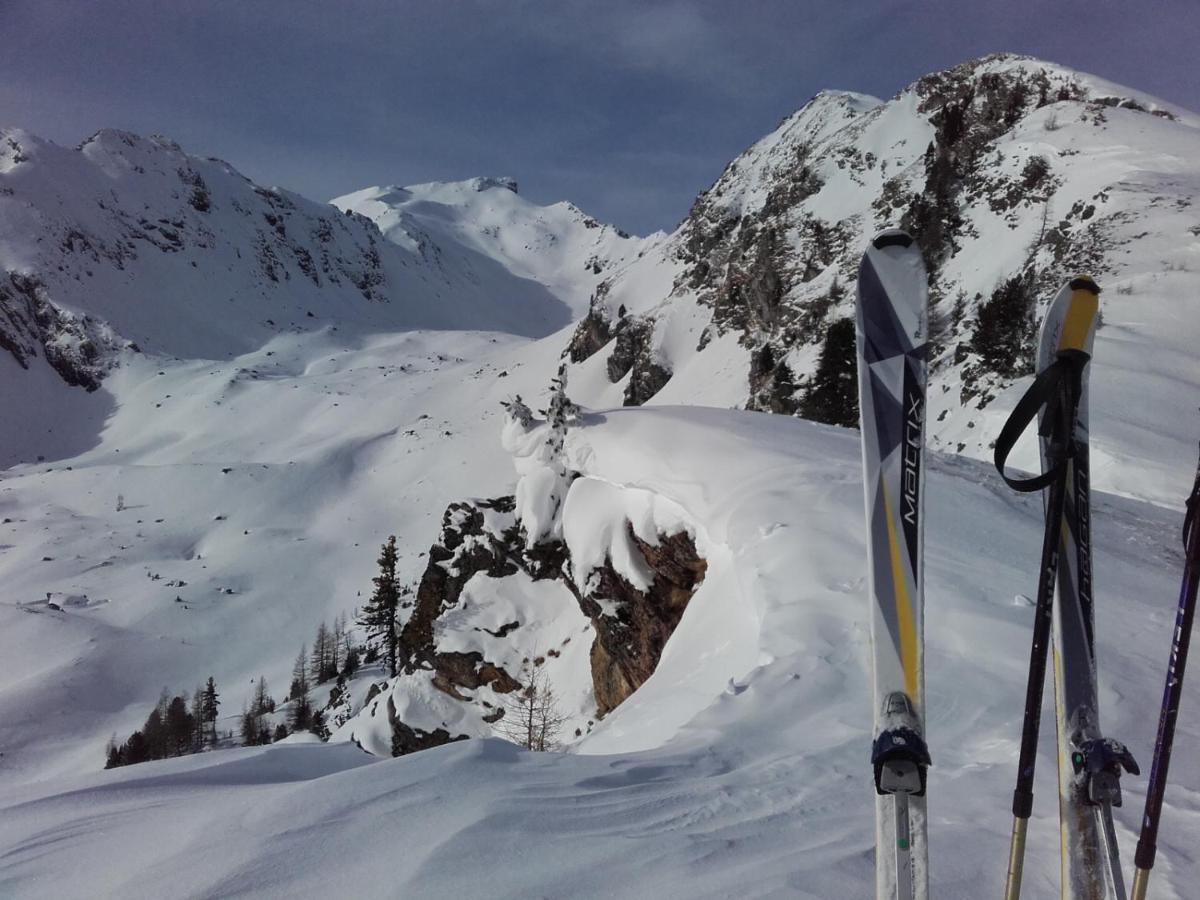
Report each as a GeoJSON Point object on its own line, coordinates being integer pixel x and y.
{"type": "Point", "coordinates": [1143, 857]}
{"type": "Point", "coordinates": [1022, 803]}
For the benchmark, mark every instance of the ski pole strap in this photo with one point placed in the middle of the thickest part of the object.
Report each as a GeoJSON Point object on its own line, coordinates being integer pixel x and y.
{"type": "Point", "coordinates": [1056, 389]}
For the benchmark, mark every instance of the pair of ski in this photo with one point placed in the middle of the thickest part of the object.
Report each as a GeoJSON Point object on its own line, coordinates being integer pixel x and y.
{"type": "Point", "coordinates": [892, 342]}
{"type": "Point", "coordinates": [1089, 764]}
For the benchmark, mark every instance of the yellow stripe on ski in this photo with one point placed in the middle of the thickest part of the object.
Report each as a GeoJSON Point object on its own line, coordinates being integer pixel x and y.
{"type": "Point", "coordinates": [904, 612]}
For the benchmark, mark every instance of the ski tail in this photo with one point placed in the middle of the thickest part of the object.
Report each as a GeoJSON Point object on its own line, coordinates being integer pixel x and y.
{"type": "Point", "coordinates": [891, 331]}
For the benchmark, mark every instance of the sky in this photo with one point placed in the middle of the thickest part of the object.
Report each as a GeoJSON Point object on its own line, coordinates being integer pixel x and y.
{"type": "Point", "coordinates": [627, 108]}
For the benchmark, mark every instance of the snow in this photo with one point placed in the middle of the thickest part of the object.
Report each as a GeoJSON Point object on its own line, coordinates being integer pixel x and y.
{"type": "Point", "coordinates": [738, 769]}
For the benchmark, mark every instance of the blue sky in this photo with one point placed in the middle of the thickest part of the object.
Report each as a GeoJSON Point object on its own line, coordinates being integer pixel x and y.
{"type": "Point", "coordinates": [626, 108]}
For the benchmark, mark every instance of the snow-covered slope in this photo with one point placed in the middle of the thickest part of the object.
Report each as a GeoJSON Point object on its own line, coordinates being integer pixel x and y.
{"type": "Point", "coordinates": [1013, 174]}
{"type": "Point", "coordinates": [738, 769]}
{"type": "Point", "coordinates": [129, 243]}
{"type": "Point", "coordinates": [557, 246]}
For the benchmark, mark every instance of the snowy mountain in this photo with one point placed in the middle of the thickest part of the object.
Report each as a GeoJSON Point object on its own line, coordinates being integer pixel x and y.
{"type": "Point", "coordinates": [689, 579]}
{"type": "Point", "coordinates": [558, 246]}
{"type": "Point", "coordinates": [1014, 174]}
{"type": "Point", "coordinates": [127, 243]}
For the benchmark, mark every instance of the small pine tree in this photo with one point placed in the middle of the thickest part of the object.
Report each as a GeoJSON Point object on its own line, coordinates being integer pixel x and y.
{"type": "Point", "coordinates": [324, 655]}
{"type": "Point", "coordinates": [300, 712]}
{"type": "Point", "coordinates": [340, 642]}
{"type": "Point", "coordinates": [379, 615]}
{"type": "Point", "coordinates": [113, 754]}
{"type": "Point", "coordinates": [136, 749]}
{"type": "Point", "coordinates": [1004, 327]}
{"type": "Point", "coordinates": [155, 733]}
{"type": "Point", "coordinates": [250, 729]}
{"type": "Point", "coordinates": [263, 703]}
{"type": "Point", "coordinates": [280, 733]}
{"type": "Point", "coordinates": [831, 396]}
{"type": "Point", "coordinates": [299, 675]}
{"type": "Point", "coordinates": [179, 727]}
{"type": "Point", "coordinates": [197, 713]}
{"type": "Point", "coordinates": [212, 706]}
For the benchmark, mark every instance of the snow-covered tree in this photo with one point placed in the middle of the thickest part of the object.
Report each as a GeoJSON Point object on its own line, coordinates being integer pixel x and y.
{"type": "Point", "coordinates": [560, 414]}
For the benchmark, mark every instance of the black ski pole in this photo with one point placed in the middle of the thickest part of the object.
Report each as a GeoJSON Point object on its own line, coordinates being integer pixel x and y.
{"type": "Point", "coordinates": [1147, 845]}
{"type": "Point", "coordinates": [1057, 389]}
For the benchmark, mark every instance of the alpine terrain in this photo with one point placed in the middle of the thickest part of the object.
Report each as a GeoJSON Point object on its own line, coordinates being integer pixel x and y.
{"type": "Point", "coordinates": [625, 485]}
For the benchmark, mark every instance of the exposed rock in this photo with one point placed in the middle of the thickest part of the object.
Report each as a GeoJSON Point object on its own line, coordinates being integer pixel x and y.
{"type": "Point", "coordinates": [406, 739]}
{"type": "Point", "coordinates": [630, 642]}
{"type": "Point", "coordinates": [81, 349]}
{"type": "Point", "coordinates": [591, 334]}
{"type": "Point", "coordinates": [628, 639]}
{"type": "Point", "coordinates": [772, 385]}
{"type": "Point", "coordinates": [633, 355]}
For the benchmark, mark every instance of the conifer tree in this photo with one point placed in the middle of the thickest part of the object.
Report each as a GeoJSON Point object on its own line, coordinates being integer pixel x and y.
{"type": "Point", "coordinates": [379, 615]}
{"type": "Point", "coordinates": [832, 394]}
{"type": "Point", "coordinates": [249, 726]}
{"type": "Point", "coordinates": [341, 642]}
{"type": "Point", "coordinates": [179, 727]}
{"type": "Point", "coordinates": [262, 703]}
{"type": "Point", "coordinates": [300, 713]}
{"type": "Point", "coordinates": [198, 726]}
{"type": "Point", "coordinates": [211, 707]}
{"type": "Point", "coordinates": [324, 655]}
{"type": "Point", "coordinates": [113, 753]}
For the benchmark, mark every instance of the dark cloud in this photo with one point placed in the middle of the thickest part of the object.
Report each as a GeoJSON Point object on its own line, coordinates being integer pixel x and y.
{"type": "Point", "coordinates": [627, 107]}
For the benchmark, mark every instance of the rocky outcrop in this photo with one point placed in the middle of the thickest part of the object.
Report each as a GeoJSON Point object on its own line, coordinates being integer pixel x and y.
{"type": "Point", "coordinates": [482, 537]}
{"type": "Point", "coordinates": [407, 739]}
{"type": "Point", "coordinates": [590, 335]}
{"type": "Point", "coordinates": [80, 349]}
{"type": "Point", "coordinates": [633, 355]}
{"type": "Point", "coordinates": [630, 638]}
{"type": "Point", "coordinates": [772, 384]}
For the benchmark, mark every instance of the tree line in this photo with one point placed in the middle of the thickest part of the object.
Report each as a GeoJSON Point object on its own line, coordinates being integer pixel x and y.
{"type": "Point", "coordinates": [175, 727]}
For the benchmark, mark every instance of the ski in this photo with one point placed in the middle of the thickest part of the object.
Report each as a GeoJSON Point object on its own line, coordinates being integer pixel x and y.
{"type": "Point", "coordinates": [1089, 764]}
{"type": "Point", "coordinates": [891, 340]}
{"type": "Point", "coordinates": [1147, 846]}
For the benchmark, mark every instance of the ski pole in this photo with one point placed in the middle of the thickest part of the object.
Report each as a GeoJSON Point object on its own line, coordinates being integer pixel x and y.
{"type": "Point", "coordinates": [1057, 389]}
{"type": "Point", "coordinates": [1147, 845]}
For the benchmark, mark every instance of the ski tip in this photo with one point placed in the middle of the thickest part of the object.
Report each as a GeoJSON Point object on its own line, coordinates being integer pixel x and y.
{"type": "Point", "coordinates": [893, 237]}
{"type": "Point", "coordinates": [1084, 283]}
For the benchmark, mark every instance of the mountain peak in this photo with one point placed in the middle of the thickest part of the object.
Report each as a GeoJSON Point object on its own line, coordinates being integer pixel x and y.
{"type": "Point", "coordinates": [484, 183]}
